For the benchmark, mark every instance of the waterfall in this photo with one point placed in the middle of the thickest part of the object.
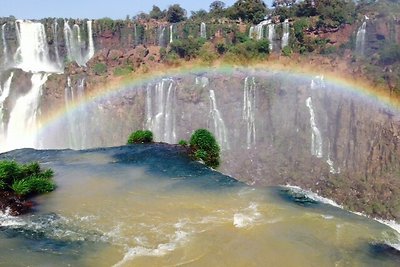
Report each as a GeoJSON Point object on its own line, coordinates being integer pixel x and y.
{"type": "Point", "coordinates": [22, 127]}
{"type": "Point", "coordinates": [76, 117]}
{"type": "Point", "coordinates": [285, 36]}
{"type": "Point", "coordinates": [360, 39]}
{"type": "Point", "coordinates": [271, 35]}
{"type": "Point", "coordinates": [316, 139]}
{"type": "Point", "coordinates": [91, 42]}
{"type": "Point", "coordinates": [71, 43]}
{"type": "Point", "coordinates": [161, 37]}
{"type": "Point", "coordinates": [258, 30]}
{"type": "Point", "coordinates": [3, 38]}
{"type": "Point", "coordinates": [74, 44]}
{"type": "Point", "coordinates": [171, 33]}
{"type": "Point", "coordinates": [4, 93]}
{"type": "Point", "coordinates": [203, 81]}
{"type": "Point", "coordinates": [55, 36]}
{"type": "Point", "coordinates": [160, 110]}
{"type": "Point", "coordinates": [251, 32]}
{"type": "Point", "coordinates": [203, 30]}
{"type": "Point", "coordinates": [32, 54]}
{"type": "Point", "coordinates": [219, 125]}
{"type": "Point", "coordinates": [249, 110]}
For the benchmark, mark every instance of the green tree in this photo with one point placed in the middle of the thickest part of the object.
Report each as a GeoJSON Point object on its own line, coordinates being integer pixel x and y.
{"type": "Point", "coordinates": [156, 13]}
{"type": "Point", "coordinates": [249, 10]}
{"type": "Point", "coordinates": [187, 48]}
{"type": "Point", "coordinates": [176, 13]}
{"type": "Point", "coordinates": [200, 14]}
{"type": "Point", "coordinates": [217, 9]}
{"type": "Point", "coordinates": [205, 147]}
{"type": "Point", "coordinates": [334, 13]}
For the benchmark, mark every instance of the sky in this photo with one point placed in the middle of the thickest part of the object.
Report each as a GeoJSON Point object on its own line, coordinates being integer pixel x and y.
{"type": "Point", "coordinates": [92, 9]}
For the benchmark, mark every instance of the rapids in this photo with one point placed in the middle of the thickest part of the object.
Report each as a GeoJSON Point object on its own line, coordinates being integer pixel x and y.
{"type": "Point", "coordinates": [149, 205]}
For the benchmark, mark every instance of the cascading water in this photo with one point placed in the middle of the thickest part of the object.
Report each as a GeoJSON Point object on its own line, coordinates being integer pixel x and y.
{"type": "Point", "coordinates": [171, 33]}
{"type": "Point", "coordinates": [74, 43]}
{"type": "Point", "coordinates": [161, 36]}
{"type": "Point", "coordinates": [4, 93]}
{"type": "Point", "coordinates": [360, 39]}
{"type": "Point", "coordinates": [203, 30]}
{"type": "Point", "coordinates": [249, 109]}
{"type": "Point", "coordinates": [3, 38]}
{"type": "Point", "coordinates": [271, 35]}
{"type": "Point", "coordinates": [55, 36]}
{"type": "Point", "coordinates": [251, 32]}
{"type": "Point", "coordinates": [316, 139]}
{"type": "Point", "coordinates": [160, 107]}
{"type": "Point", "coordinates": [91, 42]}
{"type": "Point", "coordinates": [285, 36]}
{"type": "Point", "coordinates": [258, 30]}
{"type": "Point", "coordinates": [218, 123]}
{"type": "Point", "coordinates": [32, 54]}
{"type": "Point", "coordinates": [76, 118]}
{"type": "Point", "coordinates": [22, 126]}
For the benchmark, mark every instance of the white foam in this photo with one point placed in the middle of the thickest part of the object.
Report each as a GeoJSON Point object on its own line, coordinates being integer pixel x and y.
{"type": "Point", "coordinates": [6, 220]}
{"type": "Point", "coordinates": [248, 217]}
{"type": "Point", "coordinates": [177, 239]}
{"type": "Point", "coordinates": [313, 196]}
{"type": "Point", "coordinates": [395, 226]}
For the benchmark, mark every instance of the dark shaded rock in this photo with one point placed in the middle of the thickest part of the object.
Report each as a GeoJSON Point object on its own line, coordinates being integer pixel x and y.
{"type": "Point", "coordinates": [14, 204]}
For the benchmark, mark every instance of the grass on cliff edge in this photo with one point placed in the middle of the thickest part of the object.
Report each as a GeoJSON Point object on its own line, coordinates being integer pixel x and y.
{"type": "Point", "coordinates": [25, 179]}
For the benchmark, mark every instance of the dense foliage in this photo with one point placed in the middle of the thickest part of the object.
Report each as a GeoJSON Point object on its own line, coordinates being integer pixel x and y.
{"type": "Point", "coordinates": [140, 137]}
{"type": "Point", "coordinates": [25, 179]}
{"type": "Point", "coordinates": [205, 147]}
{"type": "Point", "coordinates": [249, 10]}
{"type": "Point", "coordinates": [186, 48]}
{"type": "Point", "coordinates": [175, 13]}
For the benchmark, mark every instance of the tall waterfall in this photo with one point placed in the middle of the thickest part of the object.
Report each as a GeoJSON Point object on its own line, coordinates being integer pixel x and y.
{"type": "Point", "coordinates": [161, 36]}
{"type": "Point", "coordinates": [22, 127]}
{"type": "Point", "coordinates": [74, 44]}
{"type": "Point", "coordinates": [360, 39]}
{"type": "Point", "coordinates": [171, 33]}
{"type": "Point", "coordinates": [76, 118]}
{"type": "Point", "coordinates": [90, 53]}
{"type": "Point", "coordinates": [316, 139]}
{"type": "Point", "coordinates": [55, 38]}
{"type": "Point", "coordinates": [271, 36]}
{"type": "Point", "coordinates": [3, 38]}
{"type": "Point", "coordinates": [249, 110]}
{"type": "Point", "coordinates": [285, 35]}
{"type": "Point", "coordinates": [203, 30]}
{"type": "Point", "coordinates": [33, 52]}
{"type": "Point", "coordinates": [160, 110]}
{"type": "Point", "coordinates": [218, 123]}
{"type": "Point", "coordinates": [4, 93]}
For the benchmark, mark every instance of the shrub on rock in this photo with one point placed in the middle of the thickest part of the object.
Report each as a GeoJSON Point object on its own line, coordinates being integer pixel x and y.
{"type": "Point", "coordinates": [205, 147]}
{"type": "Point", "coordinates": [140, 137]}
{"type": "Point", "coordinates": [25, 179]}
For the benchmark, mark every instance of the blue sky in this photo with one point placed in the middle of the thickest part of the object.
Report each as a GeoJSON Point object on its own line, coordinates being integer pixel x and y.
{"type": "Point", "coordinates": [34, 9]}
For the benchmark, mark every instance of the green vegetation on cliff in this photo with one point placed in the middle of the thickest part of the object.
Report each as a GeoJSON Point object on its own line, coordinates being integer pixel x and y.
{"type": "Point", "coordinates": [205, 147]}
{"type": "Point", "coordinates": [25, 179]}
{"type": "Point", "coordinates": [140, 137]}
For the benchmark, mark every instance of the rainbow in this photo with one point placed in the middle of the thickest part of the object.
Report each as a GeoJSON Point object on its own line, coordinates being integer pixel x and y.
{"type": "Point", "coordinates": [349, 84]}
